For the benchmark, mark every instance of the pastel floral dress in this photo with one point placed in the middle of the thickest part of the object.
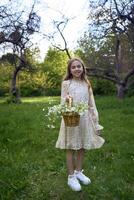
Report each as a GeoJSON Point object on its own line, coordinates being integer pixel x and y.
{"type": "Point", "coordinates": [85, 135]}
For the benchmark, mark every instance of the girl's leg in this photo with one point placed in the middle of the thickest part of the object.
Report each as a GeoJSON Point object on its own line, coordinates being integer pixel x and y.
{"type": "Point", "coordinates": [79, 172]}
{"type": "Point", "coordinates": [72, 182]}
{"type": "Point", "coordinates": [70, 161]}
{"type": "Point", "coordinates": [79, 159]}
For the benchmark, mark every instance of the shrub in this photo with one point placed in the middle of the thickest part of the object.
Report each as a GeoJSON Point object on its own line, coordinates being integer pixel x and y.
{"type": "Point", "coordinates": [52, 91]}
{"type": "Point", "coordinates": [130, 91]}
{"type": "Point", "coordinates": [103, 87]}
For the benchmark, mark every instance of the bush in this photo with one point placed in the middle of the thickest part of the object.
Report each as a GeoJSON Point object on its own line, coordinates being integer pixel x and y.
{"type": "Point", "coordinates": [103, 87]}
{"type": "Point", "coordinates": [130, 92]}
{"type": "Point", "coordinates": [28, 91]}
{"type": "Point", "coordinates": [12, 99]}
{"type": "Point", "coordinates": [52, 92]}
{"type": "Point", "coordinates": [3, 92]}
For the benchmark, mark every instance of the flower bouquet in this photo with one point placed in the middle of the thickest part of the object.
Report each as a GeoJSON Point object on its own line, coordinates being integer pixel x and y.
{"type": "Point", "coordinates": [71, 113]}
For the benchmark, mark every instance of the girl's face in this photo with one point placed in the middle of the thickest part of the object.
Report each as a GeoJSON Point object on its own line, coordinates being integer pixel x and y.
{"type": "Point", "coordinates": [76, 69]}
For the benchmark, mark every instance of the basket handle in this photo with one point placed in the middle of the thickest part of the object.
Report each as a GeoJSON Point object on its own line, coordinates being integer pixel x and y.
{"type": "Point", "coordinates": [70, 100]}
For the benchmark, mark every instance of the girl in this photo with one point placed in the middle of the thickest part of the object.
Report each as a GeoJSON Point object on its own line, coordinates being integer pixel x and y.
{"type": "Point", "coordinates": [85, 136]}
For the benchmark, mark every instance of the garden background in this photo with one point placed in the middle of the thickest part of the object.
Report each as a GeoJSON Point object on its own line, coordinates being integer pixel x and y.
{"type": "Point", "coordinates": [31, 168]}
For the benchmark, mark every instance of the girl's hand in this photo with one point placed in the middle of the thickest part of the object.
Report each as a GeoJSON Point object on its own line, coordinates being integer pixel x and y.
{"type": "Point", "coordinates": [68, 97]}
{"type": "Point", "coordinates": [98, 132]}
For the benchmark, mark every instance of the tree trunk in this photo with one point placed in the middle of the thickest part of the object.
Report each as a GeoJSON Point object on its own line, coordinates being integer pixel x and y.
{"type": "Point", "coordinates": [15, 95]}
{"type": "Point", "coordinates": [121, 91]}
{"type": "Point", "coordinates": [118, 55]}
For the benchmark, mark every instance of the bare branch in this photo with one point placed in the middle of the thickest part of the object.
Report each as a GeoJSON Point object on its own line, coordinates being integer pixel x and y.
{"type": "Point", "coordinates": [102, 73]}
{"type": "Point", "coordinates": [128, 75]}
{"type": "Point", "coordinates": [58, 24]}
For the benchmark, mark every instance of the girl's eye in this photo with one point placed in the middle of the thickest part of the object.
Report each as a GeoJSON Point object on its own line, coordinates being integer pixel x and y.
{"type": "Point", "coordinates": [77, 66]}
{"type": "Point", "coordinates": [72, 67]}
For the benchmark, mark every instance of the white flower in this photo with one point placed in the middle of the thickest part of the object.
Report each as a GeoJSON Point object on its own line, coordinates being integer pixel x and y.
{"type": "Point", "coordinates": [56, 111]}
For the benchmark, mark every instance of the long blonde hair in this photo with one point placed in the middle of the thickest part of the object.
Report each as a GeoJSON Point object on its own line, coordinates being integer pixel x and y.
{"type": "Point", "coordinates": [69, 76]}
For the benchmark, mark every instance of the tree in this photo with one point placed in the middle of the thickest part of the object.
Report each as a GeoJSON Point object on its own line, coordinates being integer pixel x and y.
{"type": "Point", "coordinates": [54, 67]}
{"type": "Point", "coordinates": [113, 18]}
{"type": "Point", "coordinates": [15, 33]}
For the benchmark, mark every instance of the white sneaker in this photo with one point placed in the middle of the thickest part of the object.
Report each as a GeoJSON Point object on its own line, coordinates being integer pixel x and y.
{"type": "Point", "coordinates": [81, 177]}
{"type": "Point", "coordinates": [73, 183]}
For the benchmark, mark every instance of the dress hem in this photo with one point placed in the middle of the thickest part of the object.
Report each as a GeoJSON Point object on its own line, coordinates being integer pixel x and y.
{"type": "Point", "coordinates": [81, 147]}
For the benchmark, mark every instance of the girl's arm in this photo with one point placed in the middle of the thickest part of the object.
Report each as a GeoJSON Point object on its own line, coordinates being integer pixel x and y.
{"type": "Point", "coordinates": [92, 105]}
{"type": "Point", "coordinates": [93, 110]}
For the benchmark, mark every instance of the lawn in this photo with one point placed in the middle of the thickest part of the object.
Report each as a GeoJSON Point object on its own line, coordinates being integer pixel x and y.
{"type": "Point", "coordinates": [31, 168]}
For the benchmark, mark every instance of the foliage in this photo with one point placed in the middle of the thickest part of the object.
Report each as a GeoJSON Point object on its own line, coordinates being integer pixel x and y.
{"type": "Point", "coordinates": [54, 68]}
{"type": "Point", "coordinates": [96, 54]}
{"type": "Point", "coordinates": [130, 91]}
{"type": "Point", "coordinates": [102, 87]}
{"type": "Point", "coordinates": [32, 84]}
{"type": "Point", "coordinates": [5, 74]}
{"type": "Point", "coordinates": [12, 99]}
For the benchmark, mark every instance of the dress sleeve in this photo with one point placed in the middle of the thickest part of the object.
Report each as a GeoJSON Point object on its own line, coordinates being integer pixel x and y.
{"type": "Point", "coordinates": [93, 110]}
{"type": "Point", "coordinates": [64, 91]}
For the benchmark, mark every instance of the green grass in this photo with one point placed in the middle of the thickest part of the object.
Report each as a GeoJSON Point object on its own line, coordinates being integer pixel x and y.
{"type": "Point", "coordinates": [31, 168]}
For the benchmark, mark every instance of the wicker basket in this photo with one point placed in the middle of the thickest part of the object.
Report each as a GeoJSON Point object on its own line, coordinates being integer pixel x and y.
{"type": "Point", "coordinates": [71, 119]}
